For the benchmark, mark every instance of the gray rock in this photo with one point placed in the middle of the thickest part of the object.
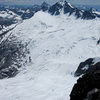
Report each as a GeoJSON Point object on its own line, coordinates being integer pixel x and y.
{"type": "Point", "coordinates": [88, 66]}
{"type": "Point", "coordinates": [87, 87]}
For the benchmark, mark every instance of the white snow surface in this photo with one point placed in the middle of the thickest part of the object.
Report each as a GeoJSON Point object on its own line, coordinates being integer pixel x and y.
{"type": "Point", "coordinates": [97, 12]}
{"type": "Point", "coordinates": [70, 5]}
{"type": "Point", "coordinates": [57, 45]}
{"type": "Point", "coordinates": [9, 14]}
{"type": "Point", "coordinates": [62, 2]}
{"type": "Point", "coordinates": [96, 60]}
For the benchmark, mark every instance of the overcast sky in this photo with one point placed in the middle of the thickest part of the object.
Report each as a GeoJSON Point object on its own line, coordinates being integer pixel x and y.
{"type": "Point", "coordinates": [32, 2]}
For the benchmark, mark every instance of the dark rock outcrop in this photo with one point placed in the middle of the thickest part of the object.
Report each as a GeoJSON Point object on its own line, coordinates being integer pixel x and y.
{"type": "Point", "coordinates": [95, 12]}
{"type": "Point", "coordinates": [66, 7]}
{"type": "Point", "coordinates": [87, 87]}
{"type": "Point", "coordinates": [6, 22]}
{"type": "Point", "coordinates": [98, 42]}
{"type": "Point", "coordinates": [88, 66]}
{"type": "Point", "coordinates": [88, 15]}
{"type": "Point", "coordinates": [11, 54]}
{"type": "Point", "coordinates": [55, 9]}
{"type": "Point", "coordinates": [45, 6]}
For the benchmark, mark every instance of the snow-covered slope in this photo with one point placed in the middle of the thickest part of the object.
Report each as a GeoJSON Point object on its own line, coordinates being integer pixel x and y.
{"type": "Point", "coordinates": [8, 18]}
{"type": "Point", "coordinates": [57, 45]}
{"type": "Point", "coordinates": [9, 14]}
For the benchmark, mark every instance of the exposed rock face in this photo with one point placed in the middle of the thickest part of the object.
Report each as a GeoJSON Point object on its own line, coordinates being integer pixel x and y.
{"type": "Point", "coordinates": [88, 15]}
{"type": "Point", "coordinates": [8, 18]}
{"type": "Point", "coordinates": [87, 87]}
{"type": "Point", "coordinates": [11, 54]}
{"type": "Point", "coordinates": [5, 22]}
{"type": "Point", "coordinates": [44, 6]}
{"type": "Point", "coordinates": [98, 42]}
{"type": "Point", "coordinates": [95, 12]}
{"type": "Point", "coordinates": [55, 9]}
{"type": "Point", "coordinates": [88, 66]}
{"type": "Point", "coordinates": [66, 7]}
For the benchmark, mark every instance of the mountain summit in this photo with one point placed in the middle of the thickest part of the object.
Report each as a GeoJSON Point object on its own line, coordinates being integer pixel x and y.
{"type": "Point", "coordinates": [45, 6]}
{"type": "Point", "coordinates": [61, 6]}
{"type": "Point", "coordinates": [65, 7]}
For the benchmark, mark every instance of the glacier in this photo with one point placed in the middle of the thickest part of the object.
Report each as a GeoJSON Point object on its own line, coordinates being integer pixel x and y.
{"type": "Point", "coordinates": [57, 45]}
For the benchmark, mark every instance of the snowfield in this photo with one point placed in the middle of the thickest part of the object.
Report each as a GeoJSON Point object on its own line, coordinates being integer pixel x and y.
{"type": "Point", "coordinates": [57, 45]}
{"type": "Point", "coordinates": [9, 15]}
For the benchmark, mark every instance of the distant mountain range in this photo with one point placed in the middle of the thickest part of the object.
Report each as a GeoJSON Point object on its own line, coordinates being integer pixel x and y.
{"type": "Point", "coordinates": [87, 7]}
{"type": "Point", "coordinates": [12, 14]}
{"type": "Point", "coordinates": [28, 11]}
{"type": "Point", "coordinates": [70, 9]}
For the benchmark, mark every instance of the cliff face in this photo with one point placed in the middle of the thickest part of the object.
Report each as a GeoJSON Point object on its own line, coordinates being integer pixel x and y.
{"type": "Point", "coordinates": [87, 87]}
{"type": "Point", "coordinates": [88, 66]}
{"type": "Point", "coordinates": [12, 53]}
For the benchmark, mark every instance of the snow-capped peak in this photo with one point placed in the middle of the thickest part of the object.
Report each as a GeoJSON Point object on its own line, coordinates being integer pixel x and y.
{"type": "Point", "coordinates": [70, 5]}
{"type": "Point", "coordinates": [93, 10]}
{"type": "Point", "coordinates": [62, 2]}
{"type": "Point", "coordinates": [45, 4]}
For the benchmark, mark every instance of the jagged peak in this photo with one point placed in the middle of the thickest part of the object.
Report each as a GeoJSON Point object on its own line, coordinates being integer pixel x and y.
{"type": "Point", "coordinates": [61, 2]}
{"type": "Point", "coordinates": [70, 5]}
{"type": "Point", "coordinates": [93, 9]}
{"type": "Point", "coordinates": [65, 3]}
{"type": "Point", "coordinates": [44, 4]}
